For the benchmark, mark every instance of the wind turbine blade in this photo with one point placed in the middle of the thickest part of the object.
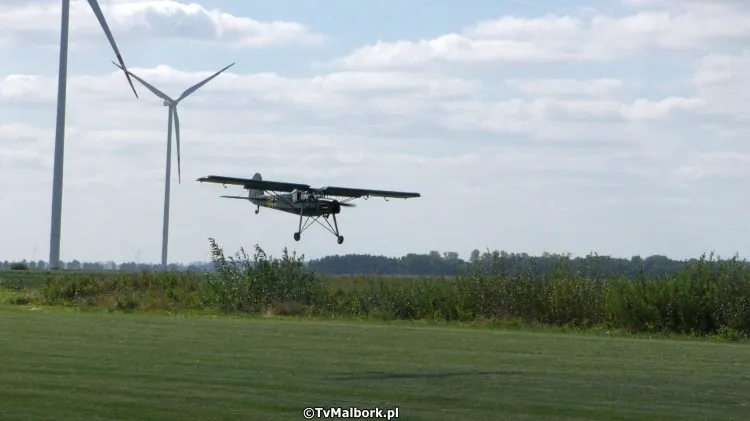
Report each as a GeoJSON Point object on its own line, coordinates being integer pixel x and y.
{"type": "Point", "coordinates": [150, 87]}
{"type": "Point", "coordinates": [198, 85]}
{"type": "Point", "coordinates": [177, 134]}
{"type": "Point", "coordinates": [103, 22]}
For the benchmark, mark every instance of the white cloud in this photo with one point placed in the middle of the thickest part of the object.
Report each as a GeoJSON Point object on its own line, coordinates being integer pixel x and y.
{"type": "Point", "coordinates": [645, 109]}
{"type": "Point", "coordinates": [27, 89]}
{"type": "Point", "coordinates": [683, 4]}
{"type": "Point", "coordinates": [147, 19]}
{"type": "Point", "coordinates": [394, 102]}
{"type": "Point", "coordinates": [555, 38]}
{"type": "Point", "coordinates": [563, 119]}
{"type": "Point", "coordinates": [569, 87]}
{"type": "Point", "coordinates": [724, 81]}
{"type": "Point", "coordinates": [320, 94]}
{"type": "Point", "coordinates": [21, 133]}
{"type": "Point", "coordinates": [716, 167]}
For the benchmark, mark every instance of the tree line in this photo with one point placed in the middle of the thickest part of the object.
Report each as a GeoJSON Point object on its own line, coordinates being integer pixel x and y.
{"type": "Point", "coordinates": [433, 263]}
{"type": "Point", "coordinates": [447, 264]}
{"type": "Point", "coordinates": [75, 265]}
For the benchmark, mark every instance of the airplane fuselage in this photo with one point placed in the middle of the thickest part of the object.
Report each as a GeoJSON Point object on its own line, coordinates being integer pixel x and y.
{"type": "Point", "coordinates": [310, 207]}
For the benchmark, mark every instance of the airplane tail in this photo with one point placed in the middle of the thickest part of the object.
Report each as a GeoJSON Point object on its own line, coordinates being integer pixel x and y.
{"type": "Point", "coordinates": [255, 192]}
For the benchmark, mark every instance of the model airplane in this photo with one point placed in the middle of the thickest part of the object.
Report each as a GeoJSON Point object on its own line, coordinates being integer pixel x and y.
{"type": "Point", "coordinates": [301, 199]}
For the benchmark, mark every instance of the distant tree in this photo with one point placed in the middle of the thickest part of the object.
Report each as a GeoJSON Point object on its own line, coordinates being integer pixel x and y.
{"type": "Point", "coordinates": [128, 267]}
{"type": "Point", "coordinates": [92, 266]}
{"type": "Point", "coordinates": [451, 256]}
{"type": "Point", "coordinates": [19, 265]}
{"type": "Point", "coordinates": [433, 263]}
{"type": "Point", "coordinates": [447, 263]}
{"type": "Point", "coordinates": [6, 265]}
{"type": "Point", "coordinates": [32, 265]}
{"type": "Point", "coordinates": [41, 264]}
{"type": "Point", "coordinates": [474, 257]}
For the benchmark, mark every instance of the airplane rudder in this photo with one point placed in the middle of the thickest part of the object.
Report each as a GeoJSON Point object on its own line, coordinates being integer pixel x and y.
{"type": "Point", "coordinates": [255, 192]}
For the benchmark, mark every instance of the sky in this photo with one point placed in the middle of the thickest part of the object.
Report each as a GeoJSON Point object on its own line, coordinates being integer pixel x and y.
{"type": "Point", "coordinates": [617, 127]}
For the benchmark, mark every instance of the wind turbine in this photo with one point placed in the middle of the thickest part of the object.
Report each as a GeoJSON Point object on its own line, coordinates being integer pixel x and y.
{"type": "Point", "coordinates": [62, 81]}
{"type": "Point", "coordinates": [172, 104]}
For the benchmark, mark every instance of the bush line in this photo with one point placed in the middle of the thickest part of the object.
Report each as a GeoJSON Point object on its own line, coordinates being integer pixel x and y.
{"type": "Point", "coordinates": [708, 297]}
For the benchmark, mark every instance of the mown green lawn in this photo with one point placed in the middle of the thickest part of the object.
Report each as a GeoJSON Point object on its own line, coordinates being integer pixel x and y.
{"type": "Point", "coordinates": [67, 365]}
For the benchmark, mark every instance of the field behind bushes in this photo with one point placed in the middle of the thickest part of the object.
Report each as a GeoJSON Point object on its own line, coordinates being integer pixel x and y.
{"type": "Point", "coordinates": [709, 297]}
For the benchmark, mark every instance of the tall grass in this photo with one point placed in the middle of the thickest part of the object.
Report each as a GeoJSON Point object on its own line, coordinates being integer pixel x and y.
{"type": "Point", "coordinates": [708, 296]}
{"type": "Point", "coordinates": [242, 284]}
{"type": "Point", "coordinates": [145, 291]}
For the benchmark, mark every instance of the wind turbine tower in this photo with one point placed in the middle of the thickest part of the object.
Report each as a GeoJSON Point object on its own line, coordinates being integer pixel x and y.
{"type": "Point", "coordinates": [62, 81]}
{"type": "Point", "coordinates": [172, 104]}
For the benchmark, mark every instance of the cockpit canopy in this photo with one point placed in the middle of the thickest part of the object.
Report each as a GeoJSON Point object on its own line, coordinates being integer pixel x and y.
{"type": "Point", "coordinates": [298, 196]}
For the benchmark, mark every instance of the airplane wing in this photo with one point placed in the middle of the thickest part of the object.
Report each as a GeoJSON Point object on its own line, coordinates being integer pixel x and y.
{"type": "Point", "coordinates": [278, 186]}
{"type": "Point", "coordinates": [255, 184]}
{"type": "Point", "coordinates": [356, 193]}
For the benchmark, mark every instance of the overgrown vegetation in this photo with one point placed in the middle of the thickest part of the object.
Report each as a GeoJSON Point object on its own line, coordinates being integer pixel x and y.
{"type": "Point", "coordinates": [257, 285]}
{"type": "Point", "coordinates": [146, 291]}
{"type": "Point", "coordinates": [708, 296]}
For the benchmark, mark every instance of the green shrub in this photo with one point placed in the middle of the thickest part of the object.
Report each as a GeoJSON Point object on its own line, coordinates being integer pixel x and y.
{"type": "Point", "coordinates": [19, 266]}
{"type": "Point", "coordinates": [255, 286]}
{"type": "Point", "coordinates": [707, 297]}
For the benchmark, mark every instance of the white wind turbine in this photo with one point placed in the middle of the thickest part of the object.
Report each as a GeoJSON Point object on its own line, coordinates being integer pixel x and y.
{"type": "Point", "coordinates": [62, 81]}
{"type": "Point", "coordinates": [172, 104]}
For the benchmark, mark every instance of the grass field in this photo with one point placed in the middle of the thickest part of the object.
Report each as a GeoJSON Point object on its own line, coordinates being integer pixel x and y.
{"type": "Point", "coordinates": [68, 365]}
{"type": "Point", "coordinates": [143, 346]}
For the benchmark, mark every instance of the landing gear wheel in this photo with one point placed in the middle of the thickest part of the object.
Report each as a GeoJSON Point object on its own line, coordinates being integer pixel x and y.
{"type": "Point", "coordinates": [256, 211]}
{"type": "Point", "coordinates": [296, 236]}
{"type": "Point", "coordinates": [340, 239]}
